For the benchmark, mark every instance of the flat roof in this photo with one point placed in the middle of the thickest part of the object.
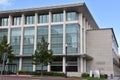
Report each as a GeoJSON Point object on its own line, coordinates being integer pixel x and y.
{"type": "Point", "coordinates": [79, 7]}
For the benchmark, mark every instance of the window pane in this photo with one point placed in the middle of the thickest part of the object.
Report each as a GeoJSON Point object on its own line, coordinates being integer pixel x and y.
{"type": "Point", "coordinates": [27, 64]}
{"type": "Point", "coordinates": [57, 17]}
{"type": "Point", "coordinates": [28, 47]}
{"type": "Point", "coordinates": [16, 61]}
{"type": "Point", "coordinates": [43, 18]}
{"type": "Point", "coordinates": [3, 32]}
{"type": "Point", "coordinates": [42, 31]}
{"type": "Point", "coordinates": [16, 20]}
{"type": "Point", "coordinates": [15, 39]}
{"type": "Point", "coordinates": [30, 20]}
{"type": "Point", "coordinates": [3, 21]}
{"type": "Point", "coordinates": [72, 38]}
{"type": "Point", "coordinates": [57, 39]}
{"type": "Point", "coordinates": [71, 16]}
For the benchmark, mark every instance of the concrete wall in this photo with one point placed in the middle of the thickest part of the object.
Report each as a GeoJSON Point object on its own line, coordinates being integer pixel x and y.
{"type": "Point", "coordinates": [116, 70]}
{"type": "Point", "coordinates": [99, 46]}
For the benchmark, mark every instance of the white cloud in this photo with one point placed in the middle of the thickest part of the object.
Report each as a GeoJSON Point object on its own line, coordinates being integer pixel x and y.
{"type": "Point", "coordinates": [5, 2]}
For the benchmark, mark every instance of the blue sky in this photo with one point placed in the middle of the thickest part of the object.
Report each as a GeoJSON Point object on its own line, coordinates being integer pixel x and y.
{"type": "Point", "coordinates": [105, 12]}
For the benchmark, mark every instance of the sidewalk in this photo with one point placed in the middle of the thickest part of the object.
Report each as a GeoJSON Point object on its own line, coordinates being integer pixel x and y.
{"type": "Point", "coordinates": [114, 78]}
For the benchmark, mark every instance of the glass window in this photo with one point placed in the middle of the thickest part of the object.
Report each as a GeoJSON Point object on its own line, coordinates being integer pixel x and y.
{"type": "Point", "coordinates": [43, 18]}
{"type": "Point", "coordinates": [3, 32]}
{"type": "Point", "coordinates": [56, 65]}
{"type": "Point", "coordinates": [15, 40]}
{"type": "Point", "coordinates": [16, 20]}
{"type": "Point", "coordinates": [16, 61]}
{"type": "Point", "coordinates": [27, 64]}
{"type": "Point", "coordinates": [72, 38]}
{"type": "Point", "coordinates": [38, 67]}
{"type": "Point", "coordinates": [3, 21]}
{"type": "Point", "coordinates": [71, 16]}
{"type": "Point", "coordinates": [42, 31]}
{"type": "Point", "coordinates": [30, 20]}
{"type": "Point", "coordinates": [58, 17]}
{"type": "Point", "coordinates": [72, 64]}
{"type": "Point", "coordinates": [57, 39]}
{"type": "Point", "coordinates": [28, 47]}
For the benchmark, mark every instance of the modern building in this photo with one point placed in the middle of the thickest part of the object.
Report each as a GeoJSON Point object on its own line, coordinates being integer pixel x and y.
{"type": "Point", "coordinates": [70, 30]}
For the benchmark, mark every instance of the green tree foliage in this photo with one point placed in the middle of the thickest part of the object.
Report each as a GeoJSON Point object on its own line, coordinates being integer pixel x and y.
{"type": "Point", "coordinates": [5, 47]}
{"type": "Point", "coordinates": [42, 55]}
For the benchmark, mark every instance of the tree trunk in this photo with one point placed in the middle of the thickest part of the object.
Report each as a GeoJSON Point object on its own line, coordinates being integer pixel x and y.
{"type": "Point", "coordinates": [41, 69]}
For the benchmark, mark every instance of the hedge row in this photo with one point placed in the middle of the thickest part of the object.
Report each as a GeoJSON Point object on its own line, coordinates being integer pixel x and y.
{"type": "Point", "coordinates": [39, 73]}
{"type": "Point", "coordinates": [85, 75]}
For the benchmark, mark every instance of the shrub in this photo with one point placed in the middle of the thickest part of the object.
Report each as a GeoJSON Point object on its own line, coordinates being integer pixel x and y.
{"type": "Point", "coordinates": [39, 73]}
{"type": "Point", "coordinates": [103, 76]}
{"type": "Point", "coordinates": [50, 73]}
{"type": "Point", "coordinates": [24, 72]}
{"type": "Point", "coordinates": [85, 75]}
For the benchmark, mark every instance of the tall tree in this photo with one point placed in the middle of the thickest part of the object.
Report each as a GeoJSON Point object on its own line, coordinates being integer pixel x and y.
{"type": "Point", "coordinates": [5, 47]}
{"type": "Point", "coordinates": [42, 55]}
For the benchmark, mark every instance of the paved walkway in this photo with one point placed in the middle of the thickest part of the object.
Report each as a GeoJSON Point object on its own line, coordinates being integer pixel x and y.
{"type": "Point", "coordinates": [114, 78]}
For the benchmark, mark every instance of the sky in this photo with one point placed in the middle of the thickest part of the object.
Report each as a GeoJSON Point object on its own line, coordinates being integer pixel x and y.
{"type": "Point", "coordinates": [105, 12]}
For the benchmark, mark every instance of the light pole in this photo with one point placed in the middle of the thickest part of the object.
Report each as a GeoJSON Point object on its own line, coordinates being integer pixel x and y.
{"type": "Point", "coordinates": [66, 60]}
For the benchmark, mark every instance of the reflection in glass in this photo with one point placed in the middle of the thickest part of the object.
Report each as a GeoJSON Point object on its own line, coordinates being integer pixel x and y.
{"type": "Point", "coordinates": [29, 19]}
{"type": "Point", "coordinates": [15, 39]}
{"type": "Point", "coordinates": [3, 32]}
{"type": "Point", "coordinates": [42, 31]}
{"type": "Point", "coordinates": [16, 20]}
{"type": "Point", "coordinates": [71, 16]}
{"type": "Point", "coordinates": [43, 18]}
{"type": "Point", "coordinates": [58, 17]}
{"type": "Point", "coordinates": [28, 47]}
{"type": "Point", "coordinates": [57, 38]}
{"type": "Point", "coordinates": [3, 21]}
{"type": "Point", "coordinates": [72, 38]}
{"type": "Point", "coordinates": [27, 64]}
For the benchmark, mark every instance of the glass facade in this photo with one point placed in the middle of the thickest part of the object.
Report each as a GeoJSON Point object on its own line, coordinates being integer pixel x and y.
{"type": "Point", "coordinates": [58, 17]}
{"type": "Point", "coordinates": [72, 38]}
{"type": "Point", "coordinates": [42, 31]}
{"type": "Point", "coordinates": [16, 21]}
{"type": "Point", "coordinates": [16, 61]}
{"type": "Point", "coordinates": [29, 19]}
{"type": "Point", "coordinates": [27, 64]}
{"type": "Point", "coordinates": [3, 21]}
{"type": "Point", "coordinates": [72, 64]}
{"type": "Point", "coordinates": [3, 32]}
{"type": "Point", "coordinates": [56, 65]}
{"type": "Point", "coordinates": [28, 43]}
{"type": "Point", "coordinates": [43, 18]}
{"type": "Point", "coordinates": [71, 16]}
{"type": "Point", "coordinates": [38, 67]}
{"type": "Point", "coordinates": [57, 39]}
{"type": "Point", "coordinates": [15, 40]}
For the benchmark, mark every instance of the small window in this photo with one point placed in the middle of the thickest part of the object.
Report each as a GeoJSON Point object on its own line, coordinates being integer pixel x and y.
{"type": "Point", "coordinates": [71, 16]}
{"type": "Point", "coordinates": [58, 17]}
{"type": "Point", "coordinates": [43, 19]}
{"type": "Point", "coordinates": [16, 20]}
{"type": "Point", "coordinates": [30, 20]}
{"type": "Point", "coordinates": [3, 21]}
